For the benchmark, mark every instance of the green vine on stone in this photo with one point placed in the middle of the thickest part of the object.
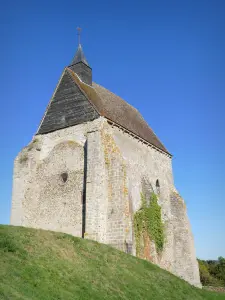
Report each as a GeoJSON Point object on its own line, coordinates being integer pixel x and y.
{"type": "Point", "coordinates": [148, 221]}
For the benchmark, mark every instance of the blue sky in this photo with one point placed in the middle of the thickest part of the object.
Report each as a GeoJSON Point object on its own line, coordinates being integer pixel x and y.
{"type": "Point", "coordinates": [167, 58]}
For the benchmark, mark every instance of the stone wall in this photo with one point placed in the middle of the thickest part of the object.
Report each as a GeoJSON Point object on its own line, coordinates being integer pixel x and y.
{"type": "Point", "coordinates": [107, 169]}
{"type": "Point", "coordinates": [145, 166]}
{"type": "Point", "coordinates": [184, 259]}
{"type": "Point", "coordinates": [118, 228]}
{"type": "Point", "coordinates": [48, 181]}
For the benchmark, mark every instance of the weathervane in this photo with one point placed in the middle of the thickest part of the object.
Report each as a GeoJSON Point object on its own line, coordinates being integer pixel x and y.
{"type": "Point", "coordinates": [79, 33]}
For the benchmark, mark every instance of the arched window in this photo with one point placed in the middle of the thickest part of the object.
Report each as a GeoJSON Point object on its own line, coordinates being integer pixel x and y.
{"type": "Point", "coordinates": [157, 186]}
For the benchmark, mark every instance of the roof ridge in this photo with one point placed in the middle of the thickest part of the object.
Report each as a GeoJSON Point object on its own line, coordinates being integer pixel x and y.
{"type": "Point", "coordinates": [116, 96]}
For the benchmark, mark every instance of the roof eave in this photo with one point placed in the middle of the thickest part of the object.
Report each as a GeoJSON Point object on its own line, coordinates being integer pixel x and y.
{"type": "Point", "coordinates": [138, 137]}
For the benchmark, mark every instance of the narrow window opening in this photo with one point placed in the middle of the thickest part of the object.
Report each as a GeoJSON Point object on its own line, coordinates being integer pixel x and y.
{"type": "Point", "coordinates": [157, 186]}
{"type": "Point", "coordinates": [64, 176]}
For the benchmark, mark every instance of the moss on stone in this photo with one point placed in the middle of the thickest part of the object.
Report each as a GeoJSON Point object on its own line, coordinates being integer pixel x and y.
{"type": "Point", "coordinates": [148, 222]}
{"type": "Point", "coordinates": [23, 158]}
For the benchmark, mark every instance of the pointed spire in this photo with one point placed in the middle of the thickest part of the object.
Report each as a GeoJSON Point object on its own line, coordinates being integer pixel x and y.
{"type": "Point", "coordinates": [79, 56]}
{"type": "Point", "coordinates": [79, 64]}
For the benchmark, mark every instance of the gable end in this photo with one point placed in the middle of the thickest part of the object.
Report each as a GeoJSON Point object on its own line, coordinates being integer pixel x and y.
{"type": "Point", "coordinates": [68, 107]}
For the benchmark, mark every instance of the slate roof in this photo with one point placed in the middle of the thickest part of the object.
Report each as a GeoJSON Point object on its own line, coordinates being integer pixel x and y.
{"type": "Point", "coordinates": [119, 111]}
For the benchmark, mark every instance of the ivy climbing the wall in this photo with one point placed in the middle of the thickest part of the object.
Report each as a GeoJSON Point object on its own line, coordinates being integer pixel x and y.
{"type": "Point", "coordinates": [148, 222]}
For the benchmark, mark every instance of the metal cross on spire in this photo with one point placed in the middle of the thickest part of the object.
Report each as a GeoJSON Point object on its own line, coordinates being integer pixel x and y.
{"type": "Point", "coordinates": [79, 34]}
{"type": "Point", "coordinates": [79, 56]}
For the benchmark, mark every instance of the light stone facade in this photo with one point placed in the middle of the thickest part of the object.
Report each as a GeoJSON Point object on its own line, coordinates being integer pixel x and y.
{"type": "Point", "coordinates": [107, 171]}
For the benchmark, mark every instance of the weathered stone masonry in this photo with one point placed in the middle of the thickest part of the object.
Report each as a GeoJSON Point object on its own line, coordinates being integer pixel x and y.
{"type": "Point", "coordinates": [85, 170]}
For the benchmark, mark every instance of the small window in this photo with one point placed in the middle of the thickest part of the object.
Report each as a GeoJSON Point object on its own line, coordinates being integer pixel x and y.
{"type": "Point", "coordinates": [64, 176]}
{"type": "Point", "coordinates": [157, 186]}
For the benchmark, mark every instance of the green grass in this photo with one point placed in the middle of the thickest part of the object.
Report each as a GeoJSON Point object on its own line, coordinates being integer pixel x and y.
{"type": "Point", "coordinates": [44, 265]}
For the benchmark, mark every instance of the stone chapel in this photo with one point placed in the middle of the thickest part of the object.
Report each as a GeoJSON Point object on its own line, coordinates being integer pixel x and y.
{"type": "Point", "coordinates": [84, 172]}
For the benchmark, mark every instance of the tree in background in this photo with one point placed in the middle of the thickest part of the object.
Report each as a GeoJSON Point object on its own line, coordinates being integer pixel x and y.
{"type": "Point", "coordinates": [212, 272]}
{"type": "Point", "coordinates": [220, 269]}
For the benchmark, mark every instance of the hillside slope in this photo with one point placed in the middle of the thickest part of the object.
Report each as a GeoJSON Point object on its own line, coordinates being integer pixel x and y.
{"type": "Point", "coordinates": [44, 265]}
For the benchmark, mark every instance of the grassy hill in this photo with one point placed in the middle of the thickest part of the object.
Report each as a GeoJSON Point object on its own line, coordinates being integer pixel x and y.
{"type": "Point", "coordinates": [44, 265]}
